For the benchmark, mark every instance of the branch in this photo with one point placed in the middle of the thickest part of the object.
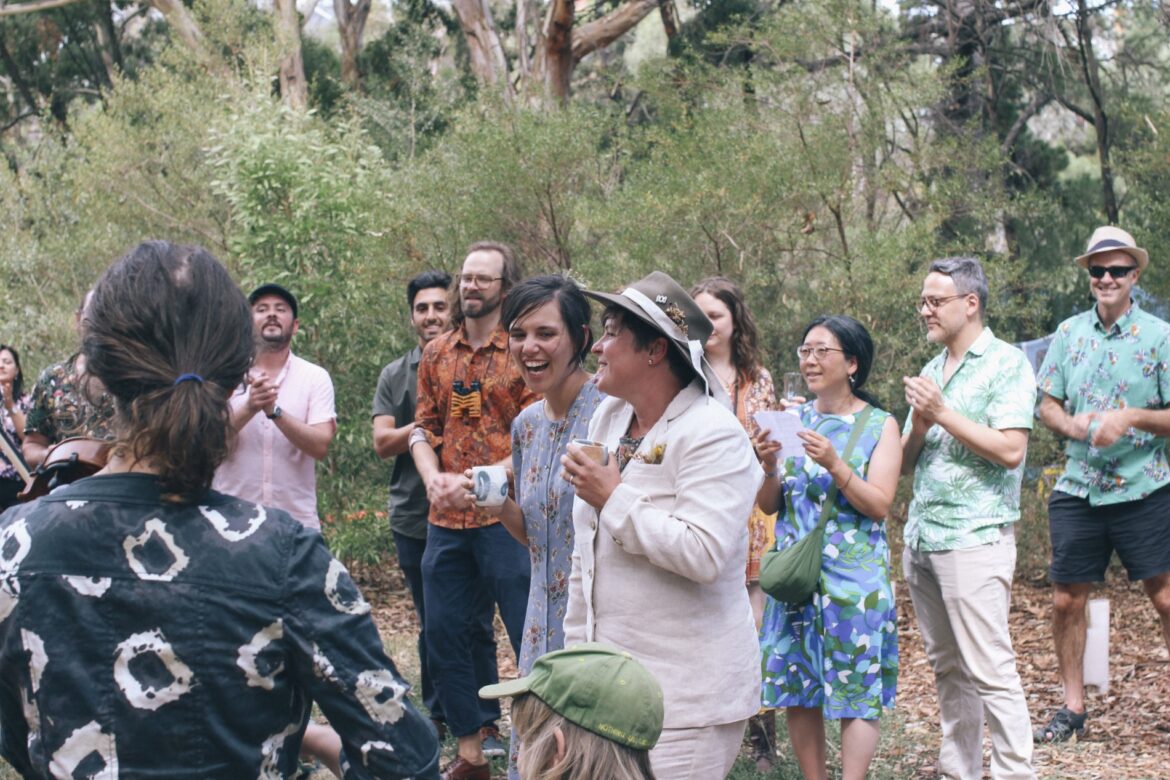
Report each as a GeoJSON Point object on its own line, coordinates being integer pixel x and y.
{"type": "Point", "coordinates": [1039, 101]}
{"type": "Point", "coordinates": [36, 5]}
{"type": "Point", "coordinates": [602, 32]}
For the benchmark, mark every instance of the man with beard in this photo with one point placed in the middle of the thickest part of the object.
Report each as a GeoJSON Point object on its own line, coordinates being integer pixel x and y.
{"type": "Point", "coordinates": [283, 414]}
{"type": "Point", "coordinates": [393, 422]}
{"type": "Point", "coordinates": [469, 391]}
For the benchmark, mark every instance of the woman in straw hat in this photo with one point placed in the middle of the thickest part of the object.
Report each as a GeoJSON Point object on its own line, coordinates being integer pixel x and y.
{"type": "Point", "coordinates": [661, 542]}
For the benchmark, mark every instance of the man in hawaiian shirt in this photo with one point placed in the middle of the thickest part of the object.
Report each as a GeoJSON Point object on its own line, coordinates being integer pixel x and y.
{"type": "Point", "coordinates": [61, 405]}
{"type": "Point", "coordinates": [1106, 388]}
{"type": "Point", "coordinates": [469, 391]}
{"type": "Point", "coordinates": [965, 442]}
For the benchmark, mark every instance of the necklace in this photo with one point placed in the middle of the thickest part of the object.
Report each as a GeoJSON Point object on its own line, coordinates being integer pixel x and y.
{"type": "Point", "coordinates": [727, 378]}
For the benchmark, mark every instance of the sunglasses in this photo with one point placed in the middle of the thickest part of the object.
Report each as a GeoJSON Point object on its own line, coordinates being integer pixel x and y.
{"type": "Point", "coordinates": [1116, 271]}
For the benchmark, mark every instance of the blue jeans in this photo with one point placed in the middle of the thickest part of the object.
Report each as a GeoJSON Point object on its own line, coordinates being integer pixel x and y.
{"type": "Point", "coordinates": [459, 568]}
{"type": "Point", "coordinates": [410, 556]}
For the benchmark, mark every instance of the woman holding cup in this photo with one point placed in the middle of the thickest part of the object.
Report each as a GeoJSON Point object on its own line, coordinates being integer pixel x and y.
{"type": "Point", "coordinates": [835, 655]}
{"type": "Point", "coordinates": [547, 319]}
{"type": "Point", "coordinates": [661, 542]}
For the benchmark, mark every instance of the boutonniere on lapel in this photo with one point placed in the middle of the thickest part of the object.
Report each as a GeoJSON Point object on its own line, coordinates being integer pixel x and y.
{"type": "Point", "coordinates": [653, 457]}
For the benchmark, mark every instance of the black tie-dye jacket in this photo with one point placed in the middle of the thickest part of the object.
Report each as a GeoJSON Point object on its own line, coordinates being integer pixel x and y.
{"type": "Point", "coordinates": [141, 638]}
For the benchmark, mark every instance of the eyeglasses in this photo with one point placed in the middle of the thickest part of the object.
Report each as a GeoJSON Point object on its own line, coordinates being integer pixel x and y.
{"type": "Point", "coordinates": [1116, 271]}
{"type": "Point", "coordinates": [931, 303]}
{"type": "Point", "coordinates": [478, 280]}
{"type": "Point", "coordinates": [803, 352]}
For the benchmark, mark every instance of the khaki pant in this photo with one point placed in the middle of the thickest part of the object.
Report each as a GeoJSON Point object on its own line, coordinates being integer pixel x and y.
{"type": "Point", "coordinates": [961, 600]}
{"type": "Point", "coordinates": [697, 754]}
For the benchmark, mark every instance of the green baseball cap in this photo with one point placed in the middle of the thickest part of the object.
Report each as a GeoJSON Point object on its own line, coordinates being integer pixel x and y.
{"type": "Point", "coordinates": [597, 687]}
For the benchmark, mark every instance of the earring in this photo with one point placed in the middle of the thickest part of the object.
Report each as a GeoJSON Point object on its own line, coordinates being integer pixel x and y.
{"type": "Point", "coordinates": [650, 362]}
{"type": "Point", "coordinates": [852, 380]}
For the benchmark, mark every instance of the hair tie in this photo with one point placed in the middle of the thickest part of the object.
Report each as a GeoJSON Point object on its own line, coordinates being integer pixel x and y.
{"type": "Point", "coordinates": [188, 377]}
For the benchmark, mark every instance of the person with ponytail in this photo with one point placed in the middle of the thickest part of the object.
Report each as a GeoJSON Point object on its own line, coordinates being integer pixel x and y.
{"type": "Point", "coordinates": [152, 627]}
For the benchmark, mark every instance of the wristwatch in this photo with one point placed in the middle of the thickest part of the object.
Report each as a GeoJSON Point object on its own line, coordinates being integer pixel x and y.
{"type": "Point", "coordinates": [276, 413]}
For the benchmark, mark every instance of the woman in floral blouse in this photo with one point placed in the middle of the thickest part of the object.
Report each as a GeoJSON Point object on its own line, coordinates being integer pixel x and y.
{"type": "Point", "coordinates": [547, 319]}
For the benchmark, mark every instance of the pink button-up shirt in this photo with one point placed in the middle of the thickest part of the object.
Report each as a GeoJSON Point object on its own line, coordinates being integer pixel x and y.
{"type": "Point", "coordinates": [265, 467]}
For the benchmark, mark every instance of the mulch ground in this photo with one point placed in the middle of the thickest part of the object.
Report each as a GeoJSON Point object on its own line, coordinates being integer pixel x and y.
{"type": "Point", "coordinates": [1129, 727]}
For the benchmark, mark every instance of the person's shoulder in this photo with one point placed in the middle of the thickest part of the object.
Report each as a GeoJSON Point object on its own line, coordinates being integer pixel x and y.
{"type": "Point", "coordinates": [55, 373]}
{"type": "Point", "coordinates": [307, 368]}
{"type": "Point", "coordinates": [1149, 320]}
{"type": "Point", "coordinates": [401, 365]}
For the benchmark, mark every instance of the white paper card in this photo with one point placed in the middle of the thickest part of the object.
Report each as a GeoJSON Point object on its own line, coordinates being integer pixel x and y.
{"type": "Point", "coordinates": [783, 427]}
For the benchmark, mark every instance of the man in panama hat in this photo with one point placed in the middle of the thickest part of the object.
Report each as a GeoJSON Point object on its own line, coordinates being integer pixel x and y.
{"type": "Point", "coordinates": [1105, 387]}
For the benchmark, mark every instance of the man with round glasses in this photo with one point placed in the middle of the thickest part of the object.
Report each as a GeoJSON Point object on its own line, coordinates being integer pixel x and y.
{"type": "Point", "coordinates": [1106, 387]}
{"type": "Point", "coordinates": [964, 442]}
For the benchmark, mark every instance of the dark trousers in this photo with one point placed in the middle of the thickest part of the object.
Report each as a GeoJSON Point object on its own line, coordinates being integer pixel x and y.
{"type": "Point", "coordinates": [458, 568]}
{"type": "Point", "coordinates": [483, 643]}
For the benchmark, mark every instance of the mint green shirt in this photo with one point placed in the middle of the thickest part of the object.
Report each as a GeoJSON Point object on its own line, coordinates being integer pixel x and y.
{"type": "Point", "coordinates": [960, 499]}
{"type": "Point", "coordinates": [1094, 370]}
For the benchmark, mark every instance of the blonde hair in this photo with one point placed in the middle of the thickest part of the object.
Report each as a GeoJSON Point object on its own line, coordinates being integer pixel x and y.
{"type": "Point", "coordinates": [588, 756]}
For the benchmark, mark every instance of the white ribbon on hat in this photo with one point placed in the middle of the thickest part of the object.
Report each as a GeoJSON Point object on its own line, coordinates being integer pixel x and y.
{"type": "Point", "coordinates": [670, 328]}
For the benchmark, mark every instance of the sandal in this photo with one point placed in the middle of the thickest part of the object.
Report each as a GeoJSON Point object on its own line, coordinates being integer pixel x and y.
{"type": "Point", "coordinates": [1065, 725]}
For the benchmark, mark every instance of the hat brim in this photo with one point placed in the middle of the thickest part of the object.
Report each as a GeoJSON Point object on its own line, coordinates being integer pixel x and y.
{"type": "Point", "coordinates": [1137, 253]}
{"type": "Point", "coordinates": [628, 305]}
{"type": "Point", "coordinates": [504, 689]}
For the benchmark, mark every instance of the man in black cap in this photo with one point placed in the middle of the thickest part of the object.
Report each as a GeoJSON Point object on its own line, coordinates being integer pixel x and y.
{"type": "Point", "coordinates": [284, 415]}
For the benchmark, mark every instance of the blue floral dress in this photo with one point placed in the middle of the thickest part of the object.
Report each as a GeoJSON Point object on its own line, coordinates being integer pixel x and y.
{"type": "Point", "coordinates": [839, 650]}
{"type": "Point", "coordinates": [546, 501]}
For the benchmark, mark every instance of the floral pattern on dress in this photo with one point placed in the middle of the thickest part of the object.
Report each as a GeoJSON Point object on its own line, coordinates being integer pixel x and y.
{"type": "Point", "coordinates": [546, 503]}
{"type": "Point", "coordinates": [839, 649]}
{"type": "Point", "coordinates": [757, 396]}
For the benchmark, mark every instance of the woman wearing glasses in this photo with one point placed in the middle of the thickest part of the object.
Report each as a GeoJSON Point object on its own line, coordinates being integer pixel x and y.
{"type": "Point", "coordinates": [835, 655]}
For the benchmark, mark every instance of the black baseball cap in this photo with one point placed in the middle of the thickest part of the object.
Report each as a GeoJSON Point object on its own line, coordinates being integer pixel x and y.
{"type": "Point", "coordinates": [278, 291]}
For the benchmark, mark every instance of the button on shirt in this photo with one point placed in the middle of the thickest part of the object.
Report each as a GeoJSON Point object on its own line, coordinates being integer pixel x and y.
{"type": "Point", "coordinates": [1093, 369]}
{"type": "Point", "coordinates": [960, 499]}
{"type": "Point", "coordinates": [265, 467]}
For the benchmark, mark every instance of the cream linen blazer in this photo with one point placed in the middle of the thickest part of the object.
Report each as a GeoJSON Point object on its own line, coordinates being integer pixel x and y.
{"type": "Point", "coordinates": [659, 571]}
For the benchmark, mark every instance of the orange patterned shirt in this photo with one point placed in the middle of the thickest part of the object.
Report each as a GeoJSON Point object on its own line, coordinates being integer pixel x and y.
{"type": "Point", "coordinates": [467, 400]}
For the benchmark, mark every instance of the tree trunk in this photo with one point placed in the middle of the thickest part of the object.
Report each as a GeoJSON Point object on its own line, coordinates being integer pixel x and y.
{"type": "Point", "coordinates": [183, 26]}
{"type": "Point", "coordinates": [488, 62]}
{"type": "Point", "coordinates": [107, 39]}
{"type": "Point", "coordinates": [1089, 70]}
{"type": "Point", "coordinates": [293, 88]}
{"type": "Point", "coordinates": [602, 32]}
{"type": "Point", "coordinates": [554, 61]}
{"type": "Point", "coordinates": [351, 24]}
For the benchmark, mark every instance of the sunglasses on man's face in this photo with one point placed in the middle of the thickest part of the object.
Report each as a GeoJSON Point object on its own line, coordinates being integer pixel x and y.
{"type": "Point", "coordinates": [1116, 271]}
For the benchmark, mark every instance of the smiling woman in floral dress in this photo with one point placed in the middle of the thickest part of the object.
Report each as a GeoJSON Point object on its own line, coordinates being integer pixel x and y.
{"type": "Point", "coordinates": [547, 319]}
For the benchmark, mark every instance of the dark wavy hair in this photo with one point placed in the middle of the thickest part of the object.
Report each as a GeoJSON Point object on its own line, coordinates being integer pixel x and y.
{"type": "Point", "coordinates": [162, 311]}
{"type": "Point", "coordinates": [856, 343]}
{"type": "Point", "coordinates": [536, 291]}
{"type": "Point", "coordinates": [745, 336]}
{"type": "Point", "coordinates": [425, 281]}
{"type": "Point", "coordinates": [18, 380]}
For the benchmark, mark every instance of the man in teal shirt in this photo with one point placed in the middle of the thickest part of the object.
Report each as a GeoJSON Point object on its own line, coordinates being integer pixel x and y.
{"type": "Point", "coordinates": [965, 441]}
{"type": "Point", "coordinates": [1106, 388]}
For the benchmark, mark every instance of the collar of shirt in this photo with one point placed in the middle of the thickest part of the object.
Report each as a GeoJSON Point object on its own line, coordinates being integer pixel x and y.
{"type": "Point", "coordinates": [498, 339]}
{"type": "Point", "coordinates": [1120, 325]}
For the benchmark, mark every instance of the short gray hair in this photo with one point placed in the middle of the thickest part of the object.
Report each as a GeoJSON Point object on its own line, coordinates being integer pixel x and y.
{"type": "Point", "coordinates": [967, 274]}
